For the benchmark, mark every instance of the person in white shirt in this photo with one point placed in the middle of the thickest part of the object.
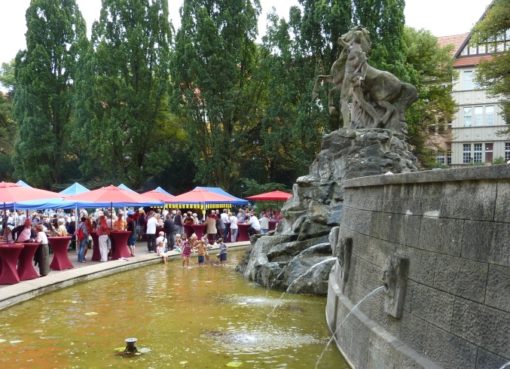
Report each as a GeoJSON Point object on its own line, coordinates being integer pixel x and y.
{"type": "Point", "coordinates": [161, 245]}
{"type": "Point", "coordinates": [254, 225]}
{"type": "Point", "coordinates": [233, 227]}
{"type": "Point", "coordinates": [151, 232]}
{"type": "Point", "coordinates": [226, 222]}
{"type": "Point", "coordinates": [264, 223]}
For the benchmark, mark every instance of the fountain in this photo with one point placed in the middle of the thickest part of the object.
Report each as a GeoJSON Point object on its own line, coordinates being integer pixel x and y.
{"type": "Point", "coordinates": [130, 346]}
{"type": "Point", "coordinates": [505, 365]}
{"type": "Point", "coordinates": [333, 336]}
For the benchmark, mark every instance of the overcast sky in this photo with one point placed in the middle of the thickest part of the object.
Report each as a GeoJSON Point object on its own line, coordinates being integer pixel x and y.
{"type": "Point", "coordinates": [441, 17]}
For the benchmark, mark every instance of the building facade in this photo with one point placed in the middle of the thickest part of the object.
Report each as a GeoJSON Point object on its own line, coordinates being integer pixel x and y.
{"type": "Point", "coordinates": [475, 130]}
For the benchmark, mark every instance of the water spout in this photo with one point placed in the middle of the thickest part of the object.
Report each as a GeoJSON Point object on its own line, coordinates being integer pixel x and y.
{"type": "Point", "coordinates": [505, 365]}
{"type": "Point", "coordinates": [333, 336]}
{"type": "Point", "coordinates": [296, 280]}
{"type": "Point", "coordinates": [130, 346]}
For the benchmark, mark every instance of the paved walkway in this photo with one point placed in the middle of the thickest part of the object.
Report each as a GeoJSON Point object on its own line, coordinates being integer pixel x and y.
{"type": "Point", "coordinates": [25, 290]}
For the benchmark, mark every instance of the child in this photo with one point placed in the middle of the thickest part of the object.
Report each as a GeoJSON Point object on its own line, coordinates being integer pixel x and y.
{"type": "Point", "coordinates": [223, 251]}
{"type": "Point", "coordinates": [178, 243]}
{"type": "Point", "coordinates": [201, 248]}
{"type": "Point", "coordinates": [161, 246]}
{"type": "Point", "coordinates": [186, 250]}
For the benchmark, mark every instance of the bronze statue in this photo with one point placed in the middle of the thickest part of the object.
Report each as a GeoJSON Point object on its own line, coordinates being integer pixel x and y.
{"type": "Point", "coordinates": [369, 98]}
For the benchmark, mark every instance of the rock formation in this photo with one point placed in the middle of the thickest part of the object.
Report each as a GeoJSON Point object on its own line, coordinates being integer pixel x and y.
{"type": "Point", "coordinates": [299, 253]}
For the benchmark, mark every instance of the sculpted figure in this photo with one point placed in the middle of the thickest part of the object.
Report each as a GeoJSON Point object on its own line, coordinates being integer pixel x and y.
{"type": "Point", "coordinates": [369, 97]}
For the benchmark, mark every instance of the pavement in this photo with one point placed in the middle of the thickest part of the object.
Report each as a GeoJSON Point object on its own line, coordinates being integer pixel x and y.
{"type": "Point", "coordinates": [25, 290]}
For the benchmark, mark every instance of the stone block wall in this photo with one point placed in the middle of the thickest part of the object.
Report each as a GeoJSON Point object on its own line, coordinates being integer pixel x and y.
{"type": "Point", "coordinates": [454, 228]}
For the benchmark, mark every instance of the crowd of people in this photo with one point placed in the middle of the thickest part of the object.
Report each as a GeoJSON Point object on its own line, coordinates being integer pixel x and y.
{"type": "Point", "coordinates": [163, 230]}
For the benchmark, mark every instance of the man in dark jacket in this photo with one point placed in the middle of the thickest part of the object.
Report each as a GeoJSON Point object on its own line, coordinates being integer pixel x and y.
{"type": "Point", "coordinates": [170, 231]}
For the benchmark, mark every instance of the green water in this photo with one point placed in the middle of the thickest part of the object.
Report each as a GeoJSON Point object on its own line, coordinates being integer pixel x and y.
{"type": "Point", "coordinates": [198, 318]}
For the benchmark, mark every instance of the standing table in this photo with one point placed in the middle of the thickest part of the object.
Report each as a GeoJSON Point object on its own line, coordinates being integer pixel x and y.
{"type": "Point", "coordinates": [26, 268]}
{"type": "Point", "coordinates": [188, 230]}
{"type": "Point", "coordinates": [96, 254]}
{"type": "Point", "coordinates": [9, 254]}
{"type": "Point", "coordinates": [199, 230]}
{"type": "Point", "coordinates": [60, 258]}
{"type": "Point", "coordinates": [243, 232]}
{"type": "Point", "coordinates": [120, 248]}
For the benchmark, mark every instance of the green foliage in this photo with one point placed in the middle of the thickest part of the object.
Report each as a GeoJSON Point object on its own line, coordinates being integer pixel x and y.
{"type": "Point", "coordinates": [44, 75]}
{"type": "Point", "coordinates": [430, 69]}
{"type": "Point", "coordinates": [494, 74]}
{"type": "Point", "coordinates": [499, 161]}
{"type": "Point", "coordinates": [252, 187]}
{"type": "Point", "coordinates": [215, 93]}
{"type": "Point", "coordinates": [122, 117]}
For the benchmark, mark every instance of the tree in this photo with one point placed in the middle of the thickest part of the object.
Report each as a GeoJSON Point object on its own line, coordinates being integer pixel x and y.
{"type": "Point", "coordinates": [122, 113]}
{"type": "Point", "coordinates": [430, 69]}
{"type": "Point", "coordinates": [44, 75]}
{"type": "Point", "coordinates": [215, 94]}
{"type": "Point", "coordinates": [7, 124]}
{"type": "Point", "coordinates": [494, 74]}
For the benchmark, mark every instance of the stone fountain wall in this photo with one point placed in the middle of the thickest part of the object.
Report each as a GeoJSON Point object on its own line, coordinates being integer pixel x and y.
{"type": "Point", "coordinates": [440, 241]}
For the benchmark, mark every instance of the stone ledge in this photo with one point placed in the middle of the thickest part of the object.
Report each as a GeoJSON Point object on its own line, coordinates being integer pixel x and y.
{"type": "Point", "coordinates": [494, 172]}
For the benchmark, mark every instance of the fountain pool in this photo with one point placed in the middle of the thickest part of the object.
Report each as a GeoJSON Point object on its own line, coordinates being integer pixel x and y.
{"type": "Point", "coordinates": [197, 318]}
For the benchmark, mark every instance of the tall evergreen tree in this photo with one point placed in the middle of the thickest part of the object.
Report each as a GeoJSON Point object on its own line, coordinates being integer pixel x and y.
{"type": "Point", "coordinates": [44, 75]}
{"type": "Point", "coordinates": [122, 107]}
{"type": "Point", "coordinates": [214, 90]}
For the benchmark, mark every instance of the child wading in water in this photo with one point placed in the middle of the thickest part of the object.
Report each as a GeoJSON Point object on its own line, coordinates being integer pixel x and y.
{"type": "Point", "coordinates": [201, 248]}
{"type": "Point", "coordinates": [223, 251]}
{"type": "Point", "coordinates": [187, 246]}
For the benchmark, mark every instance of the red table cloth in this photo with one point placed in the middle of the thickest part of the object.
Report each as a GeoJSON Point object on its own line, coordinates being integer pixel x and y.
{"type": "Point", "coordinates": [96, 254]}
{"type": "Point", "coordinates": [188, 230]}
{"type": "Point", "coordinates": [272, 224]}
{"type": "Point", "coordinates": [120, 248]}
{"type": "Point", "coordinates": [199, 229]}
{"type": "Point", "coordinates": [9, 254]}
{"type": "Point", "coordinates": [243, 232]}
{"type": "Point", "coordinates": [26, 268]}
{"type": "Point", "coordinates": [60, 258]}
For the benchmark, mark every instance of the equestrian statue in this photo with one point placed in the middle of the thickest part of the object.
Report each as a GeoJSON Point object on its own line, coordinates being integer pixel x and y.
{"type": "Point", "coordinates": [369, 97]}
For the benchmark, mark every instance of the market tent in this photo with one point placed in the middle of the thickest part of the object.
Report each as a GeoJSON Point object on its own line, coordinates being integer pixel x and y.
{"type": "Point", "coordinates": [159, 189]}
{"type": "Point", "coordinates": [74, 189]}
{"type": "Point", "coordinates": [12, 193]}
{"type": "Point", "coordinates": [201, 199]}
{"type": "Point", "coordinates": [271, 196]}
{"type": "Point", "coordinates": [160, 196]}
{"type": "Point", "coordinates": [235, 200]}
{"type": "Point", "coordinates": [22, 183]}
{"type": "Point", "coordinates": [122, 186]}
{"type": "Point", "coordinates": [112, 196]}
{"type": "Point", "coordinates": [44, 204]}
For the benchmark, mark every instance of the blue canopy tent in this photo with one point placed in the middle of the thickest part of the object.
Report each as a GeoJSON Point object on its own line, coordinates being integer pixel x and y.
{"type": "Point", "coordinates": [46, 204]}
{"type": "Point", "coordinates": [122, 186]}
{"type": "Point", "coordinates": [74, 189]}
{"type": "Point", "coordinates": [159, 189]}
{"type": "Point", "coordinates": [218, 190]}
{"type": "Point", "coordinates": [23, 184]}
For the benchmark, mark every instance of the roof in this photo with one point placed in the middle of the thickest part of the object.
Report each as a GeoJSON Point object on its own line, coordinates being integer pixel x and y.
{"type": "Point", "coordinates": [469, 61]}
{"type": "Point", "coordinates": [455, 40]}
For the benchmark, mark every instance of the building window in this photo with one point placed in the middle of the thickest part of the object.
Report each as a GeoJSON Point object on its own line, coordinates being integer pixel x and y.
{"type": "Point", "coordinates": [467, 80]}
{"type": "Point", "coordinates": [448, 158]}
{"type": "Point", "coordinates": [507, 151]}
{"type": "Point", "coordinates": [467, 116]}
{"type": "Point", "coordinates": [466, 153]}
{"type": "Point", "coordinates": [478, 116]}
{"type": "Point", "coordinates": [440, 159]}
{"type": "Point", "coordinates": [477, 153]}
{"type": "Point", "coordinates": [489, 115]}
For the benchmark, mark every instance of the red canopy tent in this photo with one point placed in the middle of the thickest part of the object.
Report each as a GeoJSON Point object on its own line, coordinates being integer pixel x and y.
{"type": "Point", "coordinates": [10, 193]}
{"type": "Point", "coordinates": [111, 195]}
{"type": "Point", "coordinates": [271, 196]}
{"type": "Point", "coordinates": [160, 196]}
